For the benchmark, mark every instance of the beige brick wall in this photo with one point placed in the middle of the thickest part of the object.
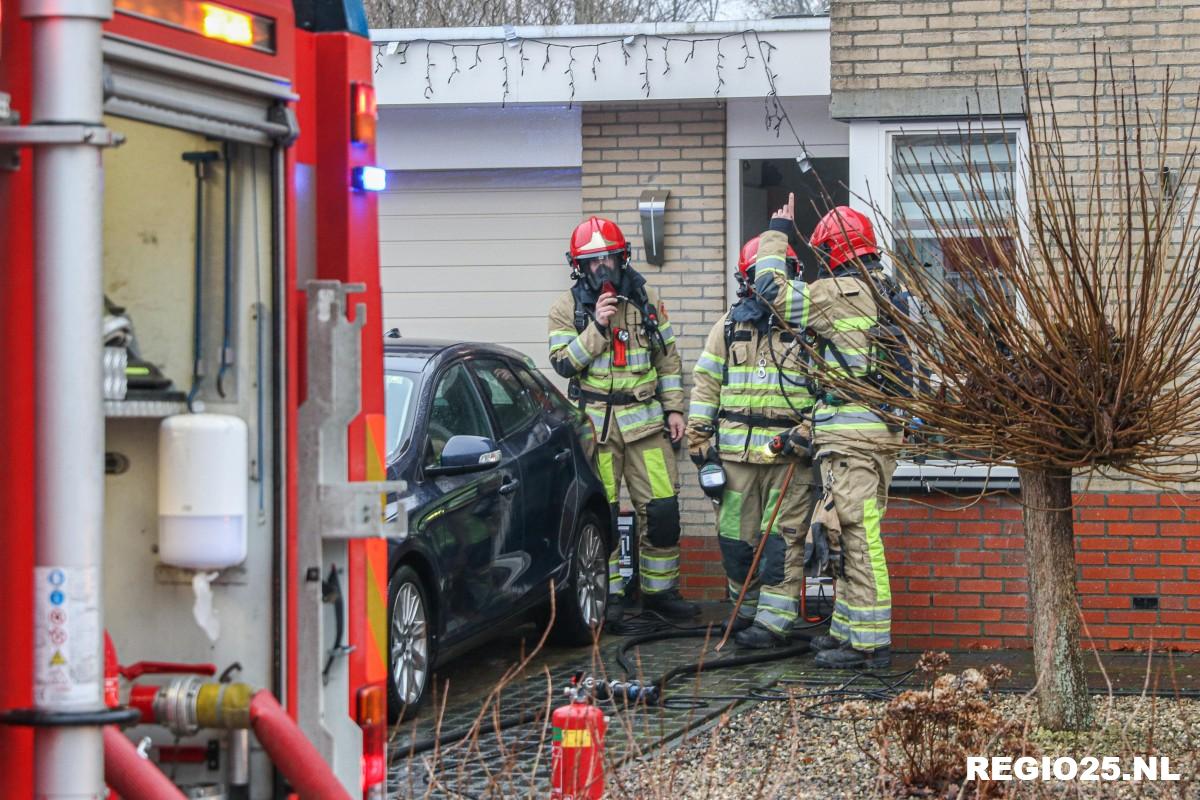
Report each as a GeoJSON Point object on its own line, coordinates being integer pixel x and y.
{"type": "Point", "coordinates": [967, 43]}
{"type": "Point", "coordinates": [679, 147]}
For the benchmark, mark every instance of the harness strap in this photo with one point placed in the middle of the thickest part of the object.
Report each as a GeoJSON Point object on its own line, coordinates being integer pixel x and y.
{"type": "Point", "coordinates": [611, 398]}
{"type": "Point", "coordinates": [755, 420]}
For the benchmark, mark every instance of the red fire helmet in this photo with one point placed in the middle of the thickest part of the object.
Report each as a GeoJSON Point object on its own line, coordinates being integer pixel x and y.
{"type": "Point", "coordinates": [596, 236]}
{"type": "Point", "coordinates": [844, 234]}
{"type": "Point", "coordinates": [750, 252]}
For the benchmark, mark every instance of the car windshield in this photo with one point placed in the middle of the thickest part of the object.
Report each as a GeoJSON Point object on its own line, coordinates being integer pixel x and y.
{"type": "Point", "coordinates": [400, 396]}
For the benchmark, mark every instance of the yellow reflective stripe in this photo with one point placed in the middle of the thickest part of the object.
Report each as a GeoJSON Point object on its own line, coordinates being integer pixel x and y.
{"type": "Point", "coordinates": [605, 462]}
{"type": "Point", "coordinates": [619, 380]}
{"type": "Point", "coordinates": [656, 469]}
{"type": "Point", "coordinates": [729, 515]}
{"type": "Point", "coordinates": [853, 323]}
{"type": "Point", "coordinates": [871, 521]}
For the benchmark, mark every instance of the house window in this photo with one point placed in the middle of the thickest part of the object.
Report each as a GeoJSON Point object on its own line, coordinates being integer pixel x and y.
{"type": "Point", "coordinates": [936, 180]}
{"type": "Point", "coordinates": [924, 165]}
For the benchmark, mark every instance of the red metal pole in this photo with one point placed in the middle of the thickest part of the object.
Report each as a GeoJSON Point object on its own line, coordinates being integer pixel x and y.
{"type": "Point", "coordinates": [291, 752]}
{"type": "Point", "coordinates": [130, 774]}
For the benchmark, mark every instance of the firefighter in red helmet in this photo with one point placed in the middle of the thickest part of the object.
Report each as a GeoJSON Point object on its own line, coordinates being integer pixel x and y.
{"type": "Point", "coordinates": [748, 387]}
{"type": "Point", "coordinates": [610, 336]}
{"type": "Point", "coordinates": [854, 447]}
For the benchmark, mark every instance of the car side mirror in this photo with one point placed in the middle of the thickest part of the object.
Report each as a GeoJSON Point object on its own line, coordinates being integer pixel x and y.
{"type": "Point", "coordinates": [466, 454]}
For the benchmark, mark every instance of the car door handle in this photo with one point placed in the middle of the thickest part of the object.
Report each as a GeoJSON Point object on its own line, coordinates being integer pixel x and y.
{"type": "Point", "coordinates": [562, 456]}
{"type": "Point", "coordinates": [509, 488]}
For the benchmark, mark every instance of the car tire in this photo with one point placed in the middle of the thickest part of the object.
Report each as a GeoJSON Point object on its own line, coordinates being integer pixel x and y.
{"type": "Point", "coordinates": [410, 643]}
{"type": "Point", "coordinates": [579, 611]}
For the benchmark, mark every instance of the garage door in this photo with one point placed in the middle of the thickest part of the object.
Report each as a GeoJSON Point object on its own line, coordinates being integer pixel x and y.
{"type": "Point", "coordinates": [477, 255]}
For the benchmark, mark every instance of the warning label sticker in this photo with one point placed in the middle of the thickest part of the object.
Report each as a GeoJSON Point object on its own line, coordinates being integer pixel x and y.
{"type": "Point", "coordinates": [67, 636]}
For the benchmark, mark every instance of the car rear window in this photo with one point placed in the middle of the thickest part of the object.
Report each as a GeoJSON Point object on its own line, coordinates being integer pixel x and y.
{"type": "Point", "coordinates": [399, 397]}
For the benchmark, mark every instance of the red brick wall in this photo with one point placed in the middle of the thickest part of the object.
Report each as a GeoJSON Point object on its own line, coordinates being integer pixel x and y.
{"type": "Point", "coordinates": [958, 570]}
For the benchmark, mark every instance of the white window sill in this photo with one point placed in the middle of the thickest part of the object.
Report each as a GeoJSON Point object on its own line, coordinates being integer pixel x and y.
{"type": "Point", "coordinates": [947, 475]}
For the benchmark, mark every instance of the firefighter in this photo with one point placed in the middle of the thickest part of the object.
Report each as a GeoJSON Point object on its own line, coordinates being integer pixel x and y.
{"type": "Point", "coordinates": [610, 336]}
{"type": "Point", "coordinates": [855, 447]}
{"type": "Point", "coordinates": [748, 388]}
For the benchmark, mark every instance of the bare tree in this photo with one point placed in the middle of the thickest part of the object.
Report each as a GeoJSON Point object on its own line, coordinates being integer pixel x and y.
{"type": "Point", "coordinates": [1070, 343]}
{"type": "Point", "coordinates": [472, 13]}
{"type": "Point", "coordinates": [768, 9]}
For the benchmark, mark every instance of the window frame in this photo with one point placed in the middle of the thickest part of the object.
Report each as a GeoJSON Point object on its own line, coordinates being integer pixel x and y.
{"type": "Point", "coordinates": [475, 368]}
{"type": "Point", "coordinates": [872, 158]}
{"type": "Point", "coordinates": [434, 383]}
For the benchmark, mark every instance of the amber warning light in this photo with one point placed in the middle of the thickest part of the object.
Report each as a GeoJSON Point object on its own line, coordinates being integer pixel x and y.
{"type": "Point", "coordinates": [210, 20]}
{"type": "Point", "coordinates": [362, 113]}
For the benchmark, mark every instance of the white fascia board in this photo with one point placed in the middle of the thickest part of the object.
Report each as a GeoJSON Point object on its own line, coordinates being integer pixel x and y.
{"type": "Point", "coordinates": [606, 31]}
{"type": "Point", "coordinates": [417, 67]}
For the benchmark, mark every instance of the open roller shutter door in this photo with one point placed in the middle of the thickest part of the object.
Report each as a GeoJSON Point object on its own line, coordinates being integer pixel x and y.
{"type": "Point", "coordinates": [477, 255]}
{"type": "Point", "coordinates": [156, 86]}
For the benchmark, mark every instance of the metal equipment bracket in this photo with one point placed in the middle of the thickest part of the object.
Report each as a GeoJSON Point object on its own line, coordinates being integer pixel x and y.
{"type": "Point", "coordinates": [341, 509]}
{"type": "Point", "coordinates": [14, 136]}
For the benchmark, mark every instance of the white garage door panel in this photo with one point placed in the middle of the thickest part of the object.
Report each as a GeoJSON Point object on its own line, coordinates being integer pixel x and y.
{"type": "Point", "coordinates": [504, 330]}
{"type": "Point", "coordinates": [468, 304]}
{"type": "Point", "coordinates": [477, 255]}
{"type": "Point", "coordinates": [451, 227]}
{"type": "Point", "coordinates": [444, 278]}
{"type": "Point", "coordinates": [403, 201]}
{"type": "Point", "coordinates": [505, 253]}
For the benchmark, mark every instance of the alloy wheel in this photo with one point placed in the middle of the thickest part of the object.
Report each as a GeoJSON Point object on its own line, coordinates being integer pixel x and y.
{"type": "Point", "coordinates": [591, 575]}
{"type": "Point", "coordinates": [410, 643]}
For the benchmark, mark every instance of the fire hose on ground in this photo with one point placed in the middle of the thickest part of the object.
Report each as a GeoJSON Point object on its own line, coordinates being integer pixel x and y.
{"type": "Point", "coordinates": [634, 692]}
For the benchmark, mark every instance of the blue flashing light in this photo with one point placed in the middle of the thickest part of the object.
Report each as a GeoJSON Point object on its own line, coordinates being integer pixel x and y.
{"type": "Point", "coordinates": [369, 179]}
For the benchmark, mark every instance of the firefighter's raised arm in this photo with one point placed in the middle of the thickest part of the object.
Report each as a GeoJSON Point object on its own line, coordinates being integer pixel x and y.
{"type": "Point", "coordinates": [789, 298]}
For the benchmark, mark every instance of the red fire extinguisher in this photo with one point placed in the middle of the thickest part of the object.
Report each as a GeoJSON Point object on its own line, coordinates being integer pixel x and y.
{"type": "Point", "coordinates": [577, 752]}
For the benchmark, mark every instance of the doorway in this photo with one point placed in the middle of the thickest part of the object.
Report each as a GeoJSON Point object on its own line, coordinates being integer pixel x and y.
{"type": "Point", "coordinates": [818, 183]}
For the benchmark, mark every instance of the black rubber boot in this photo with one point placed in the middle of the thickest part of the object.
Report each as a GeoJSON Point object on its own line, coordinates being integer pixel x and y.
{"type": "Point", "coordinates": [824, 642]}
{"type": "Point", "coordinates": [756, 637]}
{"type": "Point", "coordinates": [740, 624]}
{"type": "Point", "coordinates": [670, 604]}
{"type": "Point", "coordinates": [615, 609]}
{"type": "Point", "coordinates": [849, 658]}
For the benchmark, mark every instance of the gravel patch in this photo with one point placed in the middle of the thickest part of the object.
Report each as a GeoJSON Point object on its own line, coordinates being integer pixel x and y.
{"type": "Point", "coordinates": [772, 750]}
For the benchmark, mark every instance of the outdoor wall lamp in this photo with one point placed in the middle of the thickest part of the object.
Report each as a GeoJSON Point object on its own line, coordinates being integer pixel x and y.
{"type": "Point", "coordinates": [652, 206]}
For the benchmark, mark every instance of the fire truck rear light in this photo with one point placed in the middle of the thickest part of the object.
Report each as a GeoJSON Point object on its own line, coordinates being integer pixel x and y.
{"type": "Point", "coordinates": [369, 179]}
{"type": "Point", "coordinates": [372, 718]}
{"type": "Point", "coordinates": [363, 113]}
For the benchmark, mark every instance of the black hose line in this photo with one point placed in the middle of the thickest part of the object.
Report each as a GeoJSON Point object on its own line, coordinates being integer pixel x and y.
{"type": "Point", "coordinates": [661, 682]}
{"type": "Point", "coordinates": [676, 632]}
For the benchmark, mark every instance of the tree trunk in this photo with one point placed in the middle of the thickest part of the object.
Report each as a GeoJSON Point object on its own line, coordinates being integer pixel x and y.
{"type": "Point", "coordinates": [1063, 702]}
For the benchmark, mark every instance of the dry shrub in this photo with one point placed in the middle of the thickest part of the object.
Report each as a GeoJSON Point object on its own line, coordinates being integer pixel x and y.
{"type": "Point", "coordinates": [922, 741]}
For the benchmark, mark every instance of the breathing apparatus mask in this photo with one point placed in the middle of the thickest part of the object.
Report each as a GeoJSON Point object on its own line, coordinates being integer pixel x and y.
{"type": "Point", "coordinates": [602, 271]}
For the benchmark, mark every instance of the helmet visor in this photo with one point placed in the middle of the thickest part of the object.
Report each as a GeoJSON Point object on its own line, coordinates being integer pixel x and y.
{"type": "Point", "coordinates": [600, 269]}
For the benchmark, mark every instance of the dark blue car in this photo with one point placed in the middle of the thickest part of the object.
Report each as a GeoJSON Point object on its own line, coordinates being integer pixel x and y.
{"type": "Point", "coordinates": [503, 498]}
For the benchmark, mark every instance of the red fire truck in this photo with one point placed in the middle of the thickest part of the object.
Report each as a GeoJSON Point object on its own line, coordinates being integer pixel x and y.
{"type": "Point", "coordinates": [191, 411]}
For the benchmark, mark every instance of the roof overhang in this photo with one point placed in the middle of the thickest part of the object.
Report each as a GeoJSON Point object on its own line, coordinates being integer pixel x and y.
{"type": "Point", "coordinates": [602, 63]}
